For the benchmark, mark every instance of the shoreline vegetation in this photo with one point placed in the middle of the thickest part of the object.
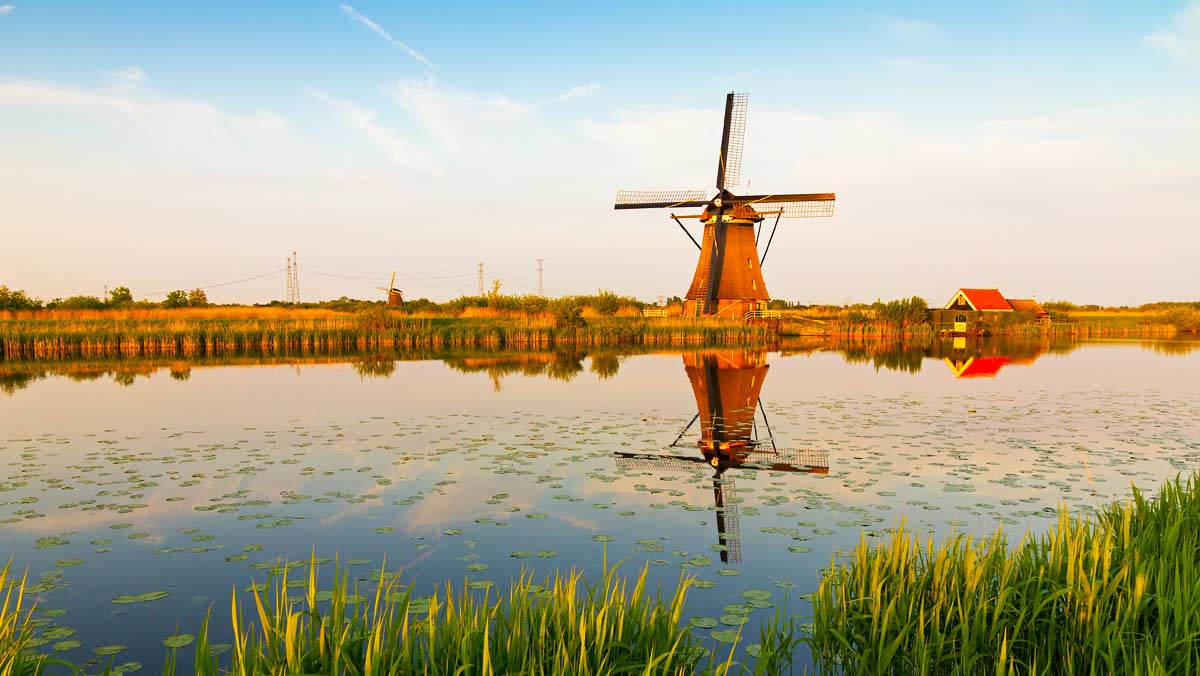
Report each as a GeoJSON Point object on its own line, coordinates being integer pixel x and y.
{"type": "Point", "coordinates": [560, 625]}
{"type": "Point", "coordinates": [366, 328]}
{"type": "Point", "coordinates": [563, 363]}
{"type": "Point", "coordinates": [1116, 590]}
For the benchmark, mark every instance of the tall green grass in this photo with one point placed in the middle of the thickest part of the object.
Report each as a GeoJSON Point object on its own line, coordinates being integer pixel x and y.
{"type": "Point", "coordinates": [563, 625]}
{"type": "Point", "coordinates": [1116, 593]}
{"type": "Point", "coordinates": [200, 335]}
{"type": "Point", "coordinates": [17, 654]}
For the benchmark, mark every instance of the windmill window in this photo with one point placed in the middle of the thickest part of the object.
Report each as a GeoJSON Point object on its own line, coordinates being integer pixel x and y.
{"type": "Point", "coordinates": [754, 284]}
{"type": "Point", "coordinates": [749, 263]}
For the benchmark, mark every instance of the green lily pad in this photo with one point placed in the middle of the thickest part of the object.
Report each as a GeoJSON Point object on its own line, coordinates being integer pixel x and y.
{"type": "Point", "coordinates": [112, 649]}
{"type": "Point", "coordinates": [725, 635]}
{"type": "Point", "coordinates": [178, 640]}
{"type": "Point", "coordinates": [733, 620]}
{"type": "Point", "coordinates": [140, 598]}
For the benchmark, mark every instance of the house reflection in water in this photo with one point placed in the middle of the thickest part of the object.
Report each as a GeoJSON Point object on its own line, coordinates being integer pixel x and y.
{"type": "Point", "coordinates": [734, 434]}
{"type": "Point", "coordinates": [969, 358]}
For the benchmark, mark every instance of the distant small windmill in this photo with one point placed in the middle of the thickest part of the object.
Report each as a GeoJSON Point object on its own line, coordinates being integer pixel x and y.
{"type": "Point", "coordinates": [728, 277]}
{"type": "Point", "coordinates": [395, 297]}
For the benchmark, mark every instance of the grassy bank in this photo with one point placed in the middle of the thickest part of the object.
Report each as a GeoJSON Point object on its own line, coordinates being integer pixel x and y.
{"type": "Point", "coordinates": [1114, 593]}
{"type": "Point", "coordinates": [302, 332]}
{"type": "Point", "coordinates": [562, 625]}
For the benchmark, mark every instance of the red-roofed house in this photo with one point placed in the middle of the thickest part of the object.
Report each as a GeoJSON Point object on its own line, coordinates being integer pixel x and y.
{"type": "Point", "coordinates": [979, 300]}
{"type": "Point", "coordinates": [983, 311]}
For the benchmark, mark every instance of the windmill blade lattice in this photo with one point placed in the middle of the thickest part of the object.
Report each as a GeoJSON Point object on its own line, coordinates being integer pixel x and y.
{"type": "Point", "coordinates": [733, 141]}
{"type": "Point", "coordinates": [660, 199]}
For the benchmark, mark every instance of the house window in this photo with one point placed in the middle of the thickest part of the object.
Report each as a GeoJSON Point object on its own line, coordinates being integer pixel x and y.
{"type": "Point", "coordinates": [960, 318]}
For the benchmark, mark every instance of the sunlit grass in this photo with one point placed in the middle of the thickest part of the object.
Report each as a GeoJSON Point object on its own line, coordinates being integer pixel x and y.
{"type": "Point", "coordinates": [1115, 593]}
{"type": "Point", "coordinates": [562, 625]}
{"type": "Point", "coordinates": [204, 333]}
{"type": "Point", "coordinates": [17, 656]}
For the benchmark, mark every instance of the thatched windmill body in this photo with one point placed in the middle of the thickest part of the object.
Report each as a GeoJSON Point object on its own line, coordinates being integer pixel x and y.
{"type": "Point", "coordinates": [728, 278]}
{"type": "Point", "coordinates": [395, 297]}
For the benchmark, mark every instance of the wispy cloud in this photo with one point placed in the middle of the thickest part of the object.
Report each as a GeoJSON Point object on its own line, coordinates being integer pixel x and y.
{"type": "Point", "coordinates": [576, 92]}
{"type": "Point", "coordinates": [1183, 41]}
{"type": "Point", "coordinates": [382, 32]}
{"type": "Point", "coordinates": [913, 27]}
{"type": "Point", "coordinates": [401, 150]}
{"type": "Point", "coordinates": [130, 74]}
{"type": "Point", "coordinates": [177, 123]}
{"type": "Point", "coordinates": [450, 114]}
{"type": "Point", "coordinates": [5, 10]}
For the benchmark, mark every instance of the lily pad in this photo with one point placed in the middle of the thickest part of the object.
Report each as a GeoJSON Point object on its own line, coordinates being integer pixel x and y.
{"type": "Point", "coordinates": [178, 640]}
{"type": "Point", "coordinates": [140, 598]}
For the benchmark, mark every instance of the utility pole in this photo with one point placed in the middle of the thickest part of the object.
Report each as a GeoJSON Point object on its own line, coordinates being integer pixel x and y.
{"type": "Point", "coordinates": [481, 280]}
{"type": "Point", "coordinates": [541, 290]}
{"type": "Point", "coordinates": [293, 279]}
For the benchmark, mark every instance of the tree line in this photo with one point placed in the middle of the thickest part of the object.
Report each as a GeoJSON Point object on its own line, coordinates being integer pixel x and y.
{"type": "Point", "coordinates": [13, 300]}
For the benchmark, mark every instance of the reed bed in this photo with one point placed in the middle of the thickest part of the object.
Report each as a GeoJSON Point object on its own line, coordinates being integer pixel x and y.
{"type": "Point", "coordinates": [561, 626]}
{"type": "Point", "coordinates": [207, 334]}
{"type": "Point", "coordinates": [17, 656]}
{"type": "Point", "coordinates": [1114, 593]}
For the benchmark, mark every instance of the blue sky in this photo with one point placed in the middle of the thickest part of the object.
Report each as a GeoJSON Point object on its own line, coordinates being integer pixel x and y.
{"type": "Point", "coordinates": [1048, 148]}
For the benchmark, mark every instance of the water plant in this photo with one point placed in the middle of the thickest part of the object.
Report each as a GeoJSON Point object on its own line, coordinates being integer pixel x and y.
{"type": "Point", "coordinates": [17, 654]}
{"type": "Point", "coordinates": [1116, 593]}
{"type": "Point", "coordinates": [562, 625]}
{"type": "Point", "coordinates": [305, 332]}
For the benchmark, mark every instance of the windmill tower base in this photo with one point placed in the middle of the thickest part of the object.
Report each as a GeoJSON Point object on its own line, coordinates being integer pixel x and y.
{"type": "Point", "coordinates": [723, 307]}
{"type": "Point", "coordinates": [738, 283]}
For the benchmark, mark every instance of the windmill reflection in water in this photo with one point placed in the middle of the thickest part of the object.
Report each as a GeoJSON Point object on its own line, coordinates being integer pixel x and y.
{"type": "Point", "coordinates": [734, 434]}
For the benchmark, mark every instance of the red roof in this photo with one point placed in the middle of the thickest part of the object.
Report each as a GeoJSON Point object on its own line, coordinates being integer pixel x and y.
{"type": "Point", "coordinates": [986, 299]}
{"type": "Point", "coordinates": [983, 367]}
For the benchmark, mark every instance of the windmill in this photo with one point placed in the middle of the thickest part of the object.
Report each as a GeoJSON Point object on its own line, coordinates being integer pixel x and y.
{"type": "Point", "coordinates": [726, 386]}
{"type": "Point", "coordinates": [395, 297]}
{"type": "Point", "coordinates": [728, 276]}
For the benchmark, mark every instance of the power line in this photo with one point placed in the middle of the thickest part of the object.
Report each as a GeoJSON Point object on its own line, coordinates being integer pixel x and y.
{"type": "Point", "coordinates": [376, 278]}
{"type": "Point", "coordinates": [219, 284]}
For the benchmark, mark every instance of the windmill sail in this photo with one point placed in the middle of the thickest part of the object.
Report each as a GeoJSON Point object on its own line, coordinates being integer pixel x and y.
{"type": "Point", "coordinates": [808, 205]}
{"type": "Point", "coordinates": [733, 137]}
{"type": "Point", "coordinates": [728, 278]}
{"type": "Point", "coordinates": [660, 199]}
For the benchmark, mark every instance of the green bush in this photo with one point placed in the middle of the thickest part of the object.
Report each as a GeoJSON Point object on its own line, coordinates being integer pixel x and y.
{"type": "Point", "coordinates": [13, 300]}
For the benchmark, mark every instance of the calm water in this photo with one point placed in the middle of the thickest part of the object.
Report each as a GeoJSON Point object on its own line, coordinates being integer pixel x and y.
{"type": "Point", "coordinates": [747, 469]}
